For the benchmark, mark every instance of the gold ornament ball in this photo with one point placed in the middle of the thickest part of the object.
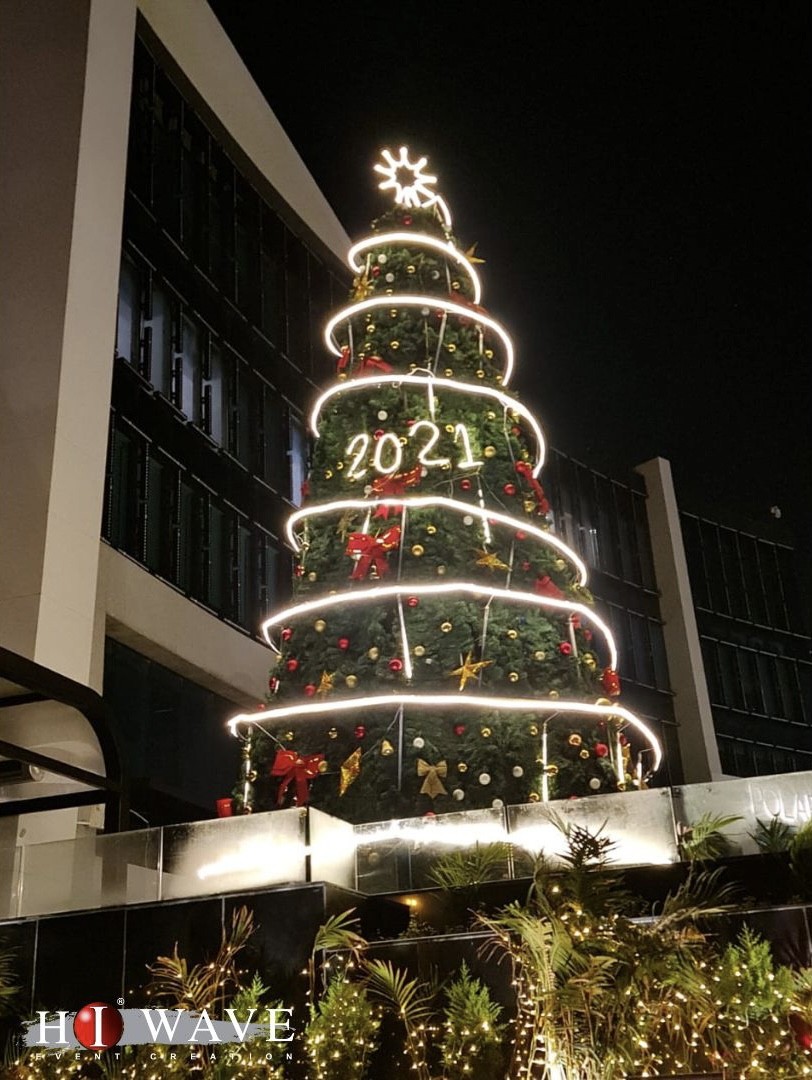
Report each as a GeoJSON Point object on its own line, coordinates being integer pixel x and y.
{"type": "Point", "coordinates": [489, 354]}
{"type": "Point", "coordinates": [351, 681]}
{"type": "Point", "coordinates": [489, 451]}
{"type": "Point", "coordinates": [528, 505]}
{"type": "Point", "coordinates": [419, 650]}
{"type": "Point", "coordinates": [533, 729]}
{"type": "Point", "coordinates": [451, 347]}
{"type": "Point", "coordinates": [512, 634]}
{"type": "Point", "coordinates": [486, 733]}
{"type": "Point", "coordinates": [374, 652]}
{"type": "Point", "coordinates": [462, 767]}
{"type": "Point", "coordinates": [551, 770]}
{"type": "Point", "coordinates": [251, 776]}
{"type": "Point", "coordinates": [603, 701]}
{"type": "Point", "coordinates": [450, 429]}
{"type": "Point", "coordinates": [319, 626]}
{"type": "Point", "coordinates": [513, 676]}
{"type": "Point", "coordinates": [247, 808]}
{"type": "Point", "coordinates": [332, 733]}
{"type": "Point", "coordinates": [525, 455]}
{"type": "Point", "coordinates": [394, 312]}
{"type": "Point", "coordinates": [411, 269]}
{"type": "Point", "coordinates": [328, 474]}
{"type": "Point", "coordinates": [431, 529]}
{"type": "Point", "coordinates": [584, 754]}
{"type": "Point", "coordinates": [323, 766]}
{"type": "Point", "coordinates": [446, 627]}
{"type": "Point", "coordinates": [539, 655]}
{"type": "Point", "coordinates": [339, 465]}
{"type": "Point", "coordinates": [312, 575]}
{"type": "Point", "coordinates": [394, 344]}
{"type": "Point", "coordinates": [480, 374]}
{"type": "Point", "coordinates": [575, 739]}
{"type": "Point", "coordinates": [288, 736]}
{"type": "Point", "coordinates": [455, 285]}
{"type": "Point", "coordinates": [490, 415]}
{"type": "Point", "coordinates": [534, 797]}
{"type": "Point", "coordinates": [590, 662]}
{"type": "Point", "coordinates": [441, 569]}
{"type": "Point", "coordinates": [554, 694]}
{"type": "Point", "coordinates": [403, 440]}
{"type": "Point", "coordinates": [560, 564]}
{"type": "Point", "coordinates": [449, 372]}
{"type": "Point", "coordinates": [417, 550]}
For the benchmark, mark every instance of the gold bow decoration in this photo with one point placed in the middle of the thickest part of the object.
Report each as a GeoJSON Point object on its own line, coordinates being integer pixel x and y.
{"type": "Point", "coordinates": [432, 782]}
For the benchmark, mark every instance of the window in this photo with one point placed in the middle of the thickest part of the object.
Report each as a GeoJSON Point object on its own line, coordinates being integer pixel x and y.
{"type": "Point", "coordinates": [244, 419]}
{"type": "Point", "coordinates": [221, 221]}
{"type": "Point", "coordinates": [246, 247]}
{"type": "Point", "coordinates": [273, 440]}
{"type": "Point", "coordinates": [297, 304]}
{"type": "Point", "coordinates": [188, 369]}
{"type": "Point", "coordinates": [166, 108]}
{"type": "Point", "coordinates": [215, 397]}
{"type": "Point", "coordinates": [158, 337]}
{"type": "Point", "coordinates": [158, 514]}
{"type": "Point", "coordinates": [298, 459]}
{"type": "Point", "coordinates": [272, 278]}
{"type": "Point", "coordinates": [194, 188]}
{"type": "Point", "coordinates": [125, 464]}
{"type": "Point", "coordinates": [128, 326]}
{"type": "Point", "coordinates": [269, 571]}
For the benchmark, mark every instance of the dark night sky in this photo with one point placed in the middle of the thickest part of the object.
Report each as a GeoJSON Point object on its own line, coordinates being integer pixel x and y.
{"type": "Point", "coordinates": [637, 176]}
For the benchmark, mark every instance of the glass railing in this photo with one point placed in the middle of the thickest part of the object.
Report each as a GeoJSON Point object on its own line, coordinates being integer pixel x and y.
{"type": "Point", "coordinates": [305, 845]}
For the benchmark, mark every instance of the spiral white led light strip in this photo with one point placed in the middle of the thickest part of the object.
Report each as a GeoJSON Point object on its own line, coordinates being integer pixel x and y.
{"type": "Point", "coordinates": [448, 701]}
{"type": "Point", "coordinates": [415, 239]}
{"type": "Point", "coordinates": [385, 592]}
{"type": "Point", "coordinates": [416, 300]}
{"type": "Point", "coordinates": [419, 502]}
{"type": "Point", "coordinates": [433, 384]}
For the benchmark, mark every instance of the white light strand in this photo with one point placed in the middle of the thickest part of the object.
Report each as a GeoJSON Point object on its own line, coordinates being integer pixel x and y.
{"type": "Point", "coordinates": [385, 592]}
{"type": "Point", "coordinates": [444, 247]}
{"type": "Point", "coordinates": [417, 300]}
{"type": "Point", "coordinates": [450, 701]}
{"type": "Point", "coordinates": [432, 385]}
{"type": "Point", "coordinates": [419, 501]}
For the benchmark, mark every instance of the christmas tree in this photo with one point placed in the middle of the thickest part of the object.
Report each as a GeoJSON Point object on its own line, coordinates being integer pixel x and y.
{"type": "Point", "coordinates": [442, 651]}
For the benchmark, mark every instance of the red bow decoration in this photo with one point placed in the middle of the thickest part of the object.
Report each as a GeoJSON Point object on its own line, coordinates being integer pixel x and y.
{"type": "Point", "coordinates": [610, 681]}
{"type": "Point", "coordinates": [373, 552]}
{"type": "Point", "coordinates": [375, 363]}
{"type": "Point", "coordinates": [290, 767]}
{"type": "Point", "coordinates": [344, 359]}
{"type": "Point", "coordinates": [545, 586]}
{"type": "Point", "coordinates": [394, 485]}
{"type": "Point", "coordinates": [523, 468]}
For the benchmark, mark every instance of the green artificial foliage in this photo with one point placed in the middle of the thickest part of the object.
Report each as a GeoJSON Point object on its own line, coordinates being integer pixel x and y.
{"type": "Point", "coordinates": [704, 839]}
{"type": "Point", "coordinates": [749, 983]}
{"type": "Point", "coordinates": [800, 857]}
{"type": "Point", "coordinates": [341, 1036]}
{"type": "Point", "coordinates": [772, 837]}
{"type": "Point", "coordinates": [471, 1046]}
{"type": "Point", "coordinates": [470, 443]}
{"type": "Point", "coordinates": [464, 867]}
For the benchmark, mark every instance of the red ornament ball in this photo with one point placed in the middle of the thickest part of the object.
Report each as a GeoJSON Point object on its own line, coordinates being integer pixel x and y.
{"type": "Point", "coordinates": [376, 271]}
{"type": "Point", "coordinates": [429, 814]}
{"type": "Point", "coordinates": [565, 648]}
{"type": "Point", "coordinates": [525, 565]}
{"type": "Point", "coordinates": [520, 535]}
{"type": "Point", "coordinates": [601, 749]}
{"type": "Point", "coordinates": [413, 601]}
{"type": "Point", "coordinates": [298, 570]}
{"type": "Point", "coordinates": [310, 689]}
{"type": "Point", "coordinates": [395, 664]}
{"type": "Point", "coordinates": [98, 1026]}
{"type": "Point", "coordinates": [465, 484]}
{"type": "Point", "coordinates": [292, 664]}
{"type": "Point", "coordinates": [459, 729]}
{"type": "Point", "coordinates": [378, 433]}
{"type": "Point", "coordinates": [623, 740]}
{"type": "Point", "coordinates": [509, 489]}
{"type": "Point", "coordinates": [273, 684]}
{"type": "Point", "coordinates": [515, 430]}
{"type": "Point", "coordinates": [407, 219]}
{"type": "Point", "coordinates": [587, 635]}
{"type": "Point", "coordinates": [360, 732]}
{"type": "Point", "coordinates": [286, 634]}
{"type": "Point", "coordinates": [343, 643]}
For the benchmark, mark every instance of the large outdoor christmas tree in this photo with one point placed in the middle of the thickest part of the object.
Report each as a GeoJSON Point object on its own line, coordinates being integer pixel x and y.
{"type": "Point", "coordinates": [442, 652]}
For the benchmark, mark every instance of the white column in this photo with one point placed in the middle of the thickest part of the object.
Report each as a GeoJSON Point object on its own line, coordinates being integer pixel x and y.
{"type": "Point", "coordinates": [65, 77]}
{"type": "Point", "coordinates": [692, 710]}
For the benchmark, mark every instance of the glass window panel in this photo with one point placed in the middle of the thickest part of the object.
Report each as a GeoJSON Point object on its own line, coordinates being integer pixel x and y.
{"type": "Point", "coordinates": [752, 579]}
{"type": "Point", "coordinates": [768, 678]}
{"type": "Point", "coordinates": [274, 468]}
{"type": "Point", "coordinates": [122, 530]}
{"type": "Point", "coordinates": [194, 188]}
{"type": "Point", "coordinates": [166, 135]}
{"type": "Point", "coordinates": [607, 529]}
{"type": "Point", "coordinates": [296, 293]}
{"type": "Point", "coordinates": [658, 654]}
{"type": "Point", "coordinates": [713, 564]}
{"type": "Point", "coordinates": [139, 156]}
{"type": "Point", "coordinates": [159, 360]}
{"type": "Point", "coordinates": [158, 531]}
{"type": "Point", "coordinates": [247, 252]}
{"type": "Point", "coordinates": [731, 562]}
{"type": "Point", "coordinates": [246, 415]}
{"type": "Point", "coordinates": [790, 689]}
{"type": "Point", "coordinates": [647, 578]}
{"type": "Point", "coordinates": [642, 652]}
{"type": "Point", "coordinates": [298, 458]}
{"type": "Point", "coordinates": [246, 579]}
{"type": "Point", "coordinates": [128, 328]}
{"type": "Point", "coordinates": [272, 278]}
{"type": "Point", "coordinates": [731, 680]}
{"type": "Point", "coordinates": [771, 578]}
{"type": "Point", "coordinates": [217, 558]}
{"type": "Point", "coordinates": [190, 542]}
{"type": "Point", "coordinates": [710, 656]}
{"type": "Point", "coordinates": [695, 560]}
{"type": "Point", "coordinates": [215, 396]}
{"type": "Point", "coordinates": [221, 221]}
{"type": "Point", "coordinates": [791, 589]}
{"type": "Point", "coordinates": [629, 559]}
{"type": "Point", "coordinates": [269, 569]}
{"type": "Point", "coordinates": [748, 668]}
{"type": "Point", "coordinates": [190, 369]}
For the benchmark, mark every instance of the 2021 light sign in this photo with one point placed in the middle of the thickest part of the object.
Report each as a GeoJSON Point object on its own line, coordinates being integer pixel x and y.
{"type": "Point", "coordinates": [387, 457]}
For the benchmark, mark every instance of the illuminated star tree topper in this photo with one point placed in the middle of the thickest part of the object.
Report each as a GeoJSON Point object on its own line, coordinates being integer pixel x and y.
{"type": "Point", "coordinates": [412, 187]}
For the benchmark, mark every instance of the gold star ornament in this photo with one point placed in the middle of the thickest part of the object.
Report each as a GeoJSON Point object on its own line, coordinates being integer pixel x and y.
{"type": "Point", "coordinates": [490, 559]}
{"type": "Point", "coordinates": [469, 669]}
{"type": "Point", "coordinates": [325, 684]}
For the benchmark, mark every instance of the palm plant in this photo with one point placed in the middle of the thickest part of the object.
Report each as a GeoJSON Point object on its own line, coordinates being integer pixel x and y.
{"type": "Point", "coordinates": [705, 840]}
{"type": "Point", "coordinates": [772, 837]}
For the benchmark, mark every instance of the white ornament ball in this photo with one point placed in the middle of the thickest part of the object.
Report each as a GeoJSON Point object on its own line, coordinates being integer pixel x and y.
{"type": "Point", "coordinates": [458, 794]}
{"type": "Point", "coordinates": [468, 520]}
{"type": "Point", "coordinates": [368, 489]}
{"type": "Point", "coordinates": [390, 277]}
{"type": "Point", "coordinates": [594, 783]}
{"type": "Point", "coordinates": [484, 779]}
{"type": "Point", "coordinates": [518, 771]}
{"type": "Point", "coordinates": [383, 415]}
{"type": "Point", "coordinates": [419, 743]}
{"type": "Point", "coordinates": [382, 259]}
{"type": "Point", "coordinates": [497, 804]}
{"type": "Point", "coordinates": [424, 311]}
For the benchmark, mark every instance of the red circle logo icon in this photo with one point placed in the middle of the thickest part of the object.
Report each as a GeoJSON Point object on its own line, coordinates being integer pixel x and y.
{"type": "Point", "coordinates": [98, 1026]}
